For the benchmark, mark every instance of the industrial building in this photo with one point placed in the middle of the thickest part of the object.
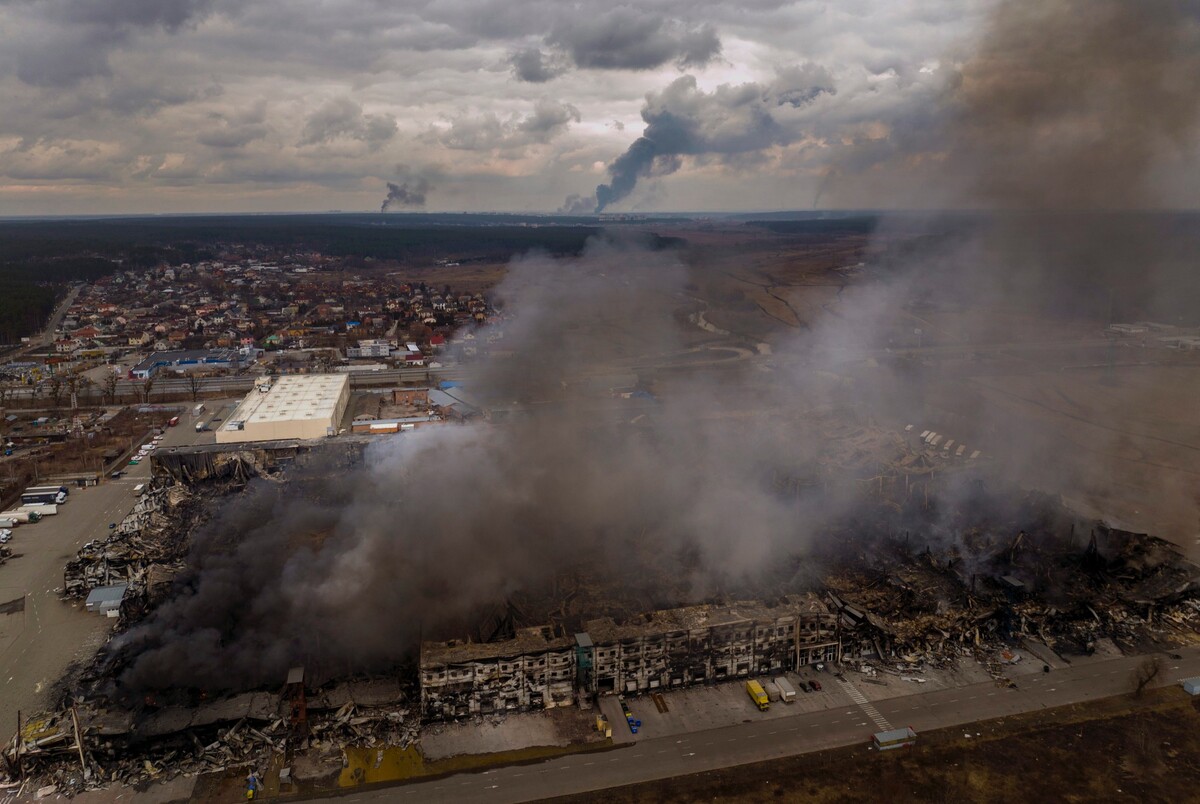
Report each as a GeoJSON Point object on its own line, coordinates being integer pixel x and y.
{"type": "Point", "coordinates": [298, 406]}
{"type": "Point", "coordinates": [187, 360]}
{"type": "Point", "coordinates": [659, 650]}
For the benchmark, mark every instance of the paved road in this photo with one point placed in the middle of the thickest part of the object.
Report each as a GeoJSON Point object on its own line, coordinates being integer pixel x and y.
{"type": "Point", "coordinates": [132, 389]}
{"type": "Point", "coordinates": [46, 335]}
{"type": "Point", "coordinates": [666, 757]}
{"type": "Point", "coordinates": [38, 644]}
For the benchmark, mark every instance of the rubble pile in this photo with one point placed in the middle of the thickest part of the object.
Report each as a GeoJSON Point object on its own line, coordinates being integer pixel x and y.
{"type": "Point", "coordinates": [94, 744]}
{"type": "Point", "coordinates": [985, 592]}
{"type": "Point", "coordinates": [153, 533]}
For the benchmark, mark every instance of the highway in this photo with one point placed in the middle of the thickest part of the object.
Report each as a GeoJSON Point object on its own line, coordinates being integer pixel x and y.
{"type": "Point", "coordinates": [37, 645]}
{"type": "Point", "coordinates": [757, 740]}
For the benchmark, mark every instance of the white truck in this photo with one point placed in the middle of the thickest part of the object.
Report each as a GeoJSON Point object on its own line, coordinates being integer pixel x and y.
{"type": "Point", "coordinates": [8, 524]}
{"type": "Point", "coordinates": [46, 509]}
{"type": "Point", "coordinates": [25, 517]}
{"type": "Point", "coordinates": [787, 693]}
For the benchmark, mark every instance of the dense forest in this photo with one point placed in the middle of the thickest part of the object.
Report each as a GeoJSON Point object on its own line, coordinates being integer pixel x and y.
{"type": "Point", "coordinates": [24, 306]}
{"type": "Point", "coordinates": [141, 241]}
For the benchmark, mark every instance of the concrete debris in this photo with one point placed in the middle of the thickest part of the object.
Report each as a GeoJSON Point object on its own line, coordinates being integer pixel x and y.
{"type": "Point", "coordinates": [154, 534]}
{"type": "Point", "coordinates": [109, 747]}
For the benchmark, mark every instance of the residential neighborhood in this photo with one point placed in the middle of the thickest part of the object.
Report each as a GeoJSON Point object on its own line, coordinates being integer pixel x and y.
{"type": "Point", "coordinates": [297, 314]}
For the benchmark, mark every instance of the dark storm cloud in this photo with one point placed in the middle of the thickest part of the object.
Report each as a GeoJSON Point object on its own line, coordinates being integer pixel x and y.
{"type": "Point", "coordinates": [683, 120]}
{"type": "Point", "coordinates": [64, 42]}
{"type": "Point", "coordinates": [532, 65]}
{"type": "Point", "coordinates": [344, 118]}
{"type": "Point", "coordinates": [625, 38]}
{"type": "Point", "coordinates": [489, 132]}
{"type": "Point", "coordinates": [236, 130]}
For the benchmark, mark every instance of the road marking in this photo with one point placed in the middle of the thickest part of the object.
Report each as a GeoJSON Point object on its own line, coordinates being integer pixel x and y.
{"type": "Point", "coordinates": [866, 706]}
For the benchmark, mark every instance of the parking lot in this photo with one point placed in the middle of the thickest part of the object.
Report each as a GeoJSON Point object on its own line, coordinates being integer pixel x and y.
{"type": "Point", "coordinates": [699, 708]}
{"type": "Point", "coordinates": [42, 636]}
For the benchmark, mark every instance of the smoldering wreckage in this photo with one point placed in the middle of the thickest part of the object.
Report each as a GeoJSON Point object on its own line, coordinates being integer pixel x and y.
{"type": "Point", "coordinates": [916, 587]}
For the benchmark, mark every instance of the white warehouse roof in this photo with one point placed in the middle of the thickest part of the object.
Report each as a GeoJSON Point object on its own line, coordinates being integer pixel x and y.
{"type": "Point", "coordinates": [296, 406]}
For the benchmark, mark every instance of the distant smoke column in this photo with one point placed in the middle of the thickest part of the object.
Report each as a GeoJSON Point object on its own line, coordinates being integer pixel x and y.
{"type": "Point", "coordinates": [408, 193]}
{"type": "Point", "coordinates": [625, 171]}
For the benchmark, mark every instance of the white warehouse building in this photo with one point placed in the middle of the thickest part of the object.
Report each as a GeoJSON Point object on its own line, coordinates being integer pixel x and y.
{"type": "Point", "coordinates": [295, 406]}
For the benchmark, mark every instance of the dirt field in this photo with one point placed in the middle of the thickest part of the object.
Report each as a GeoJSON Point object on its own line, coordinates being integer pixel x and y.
{"type": "Point", "coordinates": [1119, 749]}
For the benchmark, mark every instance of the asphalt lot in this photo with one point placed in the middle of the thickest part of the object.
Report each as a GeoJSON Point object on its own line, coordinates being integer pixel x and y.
{"type": "Point", "coordinates": [766, 736]}
{"type": "Point", "coordinates": [37, 645]}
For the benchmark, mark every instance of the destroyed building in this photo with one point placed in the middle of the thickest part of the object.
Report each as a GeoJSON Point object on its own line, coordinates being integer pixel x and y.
{"type": "Point", "coordinates": [658, 650]}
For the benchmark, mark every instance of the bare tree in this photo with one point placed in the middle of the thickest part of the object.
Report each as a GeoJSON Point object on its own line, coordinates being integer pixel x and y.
{"type": "Point", "coordinates": [76, 382]}
{"type": "Point", "coordinates": [195, 385]}
{"type": "Point", "coordinates": [110, 387]}
{"type": "Point", "coordinates": [55, 387]}
{"type": "Point", "coordinates": [1149, 669]}
{"type": "Point", "coordinates": [147, 387]}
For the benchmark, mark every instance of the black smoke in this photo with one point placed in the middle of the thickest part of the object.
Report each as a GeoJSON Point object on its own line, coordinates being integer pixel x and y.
{"type": "Point", "coordinates": [684, 121]}
{"type": "Point", "coordinates": [408, 193]}
{"type": "Point", "coordinates": [352, 567]}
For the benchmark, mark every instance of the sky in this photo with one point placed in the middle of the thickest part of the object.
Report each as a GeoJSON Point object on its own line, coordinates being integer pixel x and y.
{"type": "Point", "coordinates": [131, 106]}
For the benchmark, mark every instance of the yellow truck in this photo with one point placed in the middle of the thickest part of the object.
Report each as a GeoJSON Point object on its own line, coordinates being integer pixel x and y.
{"type": "Point", "coordinates": [758, 695]}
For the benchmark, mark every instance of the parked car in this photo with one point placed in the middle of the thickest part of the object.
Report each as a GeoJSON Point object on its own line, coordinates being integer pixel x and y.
{"type": "Point", "coordinates": [816, 685]}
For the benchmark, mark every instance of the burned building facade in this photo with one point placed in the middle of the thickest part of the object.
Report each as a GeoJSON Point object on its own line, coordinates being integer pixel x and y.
{"type": "Point", "coordinates": [663, 649]}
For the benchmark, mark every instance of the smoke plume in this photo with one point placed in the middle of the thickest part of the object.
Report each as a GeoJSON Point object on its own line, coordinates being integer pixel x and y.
{"type": "Point", "coordinates": [684, 121]}
{"type": "Point", "coordinates": [410, 192]}
{"type": "Point", "coordinates": [1058, 135]}
{"type": "Point", "coordinates": [1065, 110]}
{"type": "Point", "coordinates": [349, 568]}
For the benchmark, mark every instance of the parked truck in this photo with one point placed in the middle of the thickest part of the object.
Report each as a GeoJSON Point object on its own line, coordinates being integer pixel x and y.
{"type": "Point", "coordinates": [41, 510]}
{"type": "Point", "coordinates": [26, 517]}
{"type": "Point", "coordinates": [44, 494]}
{"type": "Point", "coordinates": [787, 693]}
{"type": "Point", "coordinates": [8, 524]}
{"type": "Point", "coordinates": [758, 695]}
